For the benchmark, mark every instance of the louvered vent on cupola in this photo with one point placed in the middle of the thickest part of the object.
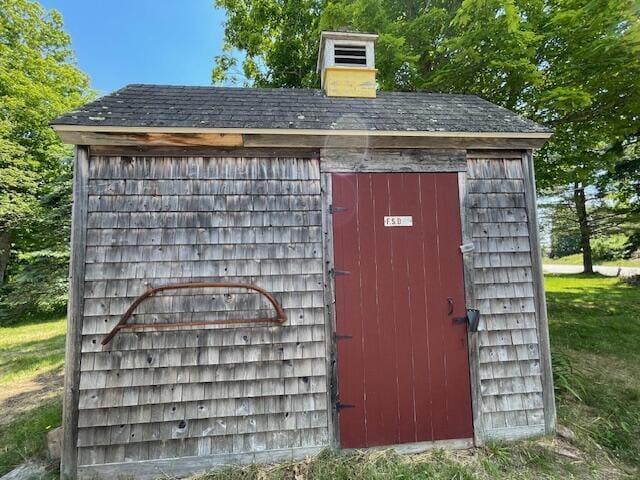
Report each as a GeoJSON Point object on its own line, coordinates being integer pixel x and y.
{"type": "Point", "coordinates": [350, 55]}
{"type": "Point", "coordinates": [346, 63]}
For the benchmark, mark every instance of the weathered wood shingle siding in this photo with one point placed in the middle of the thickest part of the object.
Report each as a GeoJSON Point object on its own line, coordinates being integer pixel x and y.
{"type": "Point", "coordinates": [228, 391]}
{"type": "Point", "coordinates": [505, 289]}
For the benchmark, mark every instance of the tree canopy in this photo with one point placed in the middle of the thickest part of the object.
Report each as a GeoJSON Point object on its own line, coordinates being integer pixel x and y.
{"type": "Point", "coordinates": [39, 80]}
{"type": "Point", "coordinates": [572, 65]}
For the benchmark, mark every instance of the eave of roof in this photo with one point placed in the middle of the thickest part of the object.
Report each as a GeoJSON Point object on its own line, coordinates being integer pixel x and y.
{"type": "Point", "coordinates": [296, 131]}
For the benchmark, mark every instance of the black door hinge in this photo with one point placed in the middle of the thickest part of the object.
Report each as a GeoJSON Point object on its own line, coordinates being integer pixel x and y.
{"type": "Point", "coordinates": [333, 209]}
{"type": "Point", "coordinates": [336, 273]}
{"type": "Point", "coordinates": [342, 337]}
{"type": "Point", "coordinates": [340, 406]}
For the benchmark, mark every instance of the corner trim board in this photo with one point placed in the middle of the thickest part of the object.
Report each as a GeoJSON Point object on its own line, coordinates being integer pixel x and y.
{"type": "Point", "coordinates": [68, 463]}
{"type": "Point", "coordinates": [470, 299]}
{"type": "Point", "coordinates": [548, 395]}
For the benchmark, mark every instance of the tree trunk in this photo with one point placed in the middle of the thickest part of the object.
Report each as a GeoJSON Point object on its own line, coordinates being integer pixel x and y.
{"type": "Point", "coordinates": [585, 228]}
{"type": "Point", "coordinates": [5, 251]}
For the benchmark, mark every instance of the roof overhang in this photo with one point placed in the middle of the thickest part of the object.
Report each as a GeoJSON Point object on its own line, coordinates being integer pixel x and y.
{"type": "Point", "coordinates": [270, 137]}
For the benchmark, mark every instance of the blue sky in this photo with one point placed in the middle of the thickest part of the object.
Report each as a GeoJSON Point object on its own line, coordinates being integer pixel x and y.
{"type": "Point", "coordinates": [143, 41]}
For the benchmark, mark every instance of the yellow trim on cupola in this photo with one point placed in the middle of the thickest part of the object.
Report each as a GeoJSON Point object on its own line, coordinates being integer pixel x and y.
{"type": "Point", "coordinates": [349, 82]}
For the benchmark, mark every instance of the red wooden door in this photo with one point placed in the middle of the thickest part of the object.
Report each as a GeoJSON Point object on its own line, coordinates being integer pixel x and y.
{"type": "Point", "coordinates": [403, 373]}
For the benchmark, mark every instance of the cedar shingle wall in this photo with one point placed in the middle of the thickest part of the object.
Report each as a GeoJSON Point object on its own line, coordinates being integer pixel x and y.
{"type": "Point", "coordinates": [206, 391]}
{"type": "Point", "coordinates": [510, 374]}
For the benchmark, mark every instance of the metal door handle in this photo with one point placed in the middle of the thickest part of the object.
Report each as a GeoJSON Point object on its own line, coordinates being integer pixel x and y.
{"type": "Point", "coordinates": [450, 308]}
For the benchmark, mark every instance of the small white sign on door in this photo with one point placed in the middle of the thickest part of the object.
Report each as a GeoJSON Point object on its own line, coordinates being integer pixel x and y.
{"type": "Point", "coordinates": [398, 221]}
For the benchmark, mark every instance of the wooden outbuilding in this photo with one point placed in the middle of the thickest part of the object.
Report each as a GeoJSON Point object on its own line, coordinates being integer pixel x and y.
{"type": "Point", "coordinates": [259, 274]}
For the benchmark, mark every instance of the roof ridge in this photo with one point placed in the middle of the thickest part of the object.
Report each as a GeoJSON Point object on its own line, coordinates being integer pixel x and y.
{"type": "Point", "coordinates": [217, 87]}
{"type": "Point", "coordinates": [289, 89]}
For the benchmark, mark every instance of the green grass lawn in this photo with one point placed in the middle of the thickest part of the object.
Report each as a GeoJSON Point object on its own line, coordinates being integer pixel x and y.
{"type": "Point", "coordinates": [31, 360]}
{"type": "Point", "coordinates": [32, 349]}
{"type": "Point", "coordinates": [577, 260]}
{"type": "Point", "coordinates": [595, 334]}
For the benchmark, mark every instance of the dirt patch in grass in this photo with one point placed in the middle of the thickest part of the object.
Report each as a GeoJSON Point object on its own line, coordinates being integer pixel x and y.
{"type": "Point", "coordinates": [31, 359]}
{"type": "Point", "coordinates": [31, 365]}
{"type": "Point", "coordinates": [20, 396]}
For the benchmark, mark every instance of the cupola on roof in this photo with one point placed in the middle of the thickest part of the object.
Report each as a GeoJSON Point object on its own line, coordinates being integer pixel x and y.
{"type": "Point", "coordinates": [346, 64]}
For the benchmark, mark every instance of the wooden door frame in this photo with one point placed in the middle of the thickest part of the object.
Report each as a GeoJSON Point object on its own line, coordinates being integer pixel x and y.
{"type": "Point", "coordinates": [470, 302]}
{"type": "Point", "coordinates": [330, 308]}
{"type": "Point", "coordinates": [330, 297]}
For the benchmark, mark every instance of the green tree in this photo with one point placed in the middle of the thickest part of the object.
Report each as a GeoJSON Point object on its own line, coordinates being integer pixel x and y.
{"type": "Point", "coordinates": [274, 37]}
{"type": "Point", "coordinates": [39, 80]}
{"type": "Point", "coordinates": [572, 65]}
{"type": "Point", "coordinates": [564, 235]}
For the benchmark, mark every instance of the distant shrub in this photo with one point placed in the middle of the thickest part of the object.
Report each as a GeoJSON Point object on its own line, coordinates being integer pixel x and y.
{"type": "Point", "coordinates": [36, 285]}
{"type": "Point", "coordinates": [632, 247]}
{"type": "Point", "coordinates": [563, 244]}
{"type": "Point", "coordinates": [612, 247]}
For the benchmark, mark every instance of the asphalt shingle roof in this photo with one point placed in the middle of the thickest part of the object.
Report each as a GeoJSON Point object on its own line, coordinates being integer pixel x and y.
{"type": "Point", "coordinates": [215, 107]}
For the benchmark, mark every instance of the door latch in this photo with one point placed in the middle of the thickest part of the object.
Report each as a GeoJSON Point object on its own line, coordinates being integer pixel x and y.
{"type": "Point", "coordinates": [340, 406]}
{"type": "Point", "coordinates": [472, 318]}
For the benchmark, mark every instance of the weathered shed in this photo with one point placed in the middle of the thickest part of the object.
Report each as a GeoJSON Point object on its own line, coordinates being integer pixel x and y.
{"type": "Point", "coordinates": [258, 274]}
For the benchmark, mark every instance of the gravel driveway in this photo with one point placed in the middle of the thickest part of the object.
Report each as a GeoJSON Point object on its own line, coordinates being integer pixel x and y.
{"type": "Point", "coordinates": [609, 271]}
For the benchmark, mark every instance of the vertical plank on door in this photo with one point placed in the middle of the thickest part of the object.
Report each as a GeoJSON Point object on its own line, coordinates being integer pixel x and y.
{"type": "Point", "coordinates": [349, 351]}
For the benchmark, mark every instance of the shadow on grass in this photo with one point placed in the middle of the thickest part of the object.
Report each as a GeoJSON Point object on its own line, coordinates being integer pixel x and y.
{"type": "Point", "coordinates": [20, 359]}
{"type": "Point", "coordinates": [38, 318]}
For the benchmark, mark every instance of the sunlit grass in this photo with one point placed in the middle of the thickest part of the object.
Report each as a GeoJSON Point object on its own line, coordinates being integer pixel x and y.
{"type": "Point", "coordinates": [595, 324]}
{"type": "Point", "coordinates": [523, 460]}
{"type": "Point", "coordinates": [31, 349]}
{"type": "Point", "coordinates": [595, 335]}
{"type": "Point", "coordinates": [31, 361]}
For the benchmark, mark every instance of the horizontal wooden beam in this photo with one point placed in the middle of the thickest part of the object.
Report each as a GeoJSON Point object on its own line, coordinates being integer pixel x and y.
{"type": "Point", "coordinates": [299, 131]}
{"type": "Point", "coordinates": [202, 151]}
{"type": "Point", "coordinates": [374, 142]}
{"type": "Point", "coordinates": [393, 160]}
{"type": "Point", "coordinates": [187, 466]}
{"type": "Point", "coordinates": [498, 153]}
{"type": "Point", "coordinates": [295, 138]}
{"type": "Point", "coordinates": [165, 139]}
